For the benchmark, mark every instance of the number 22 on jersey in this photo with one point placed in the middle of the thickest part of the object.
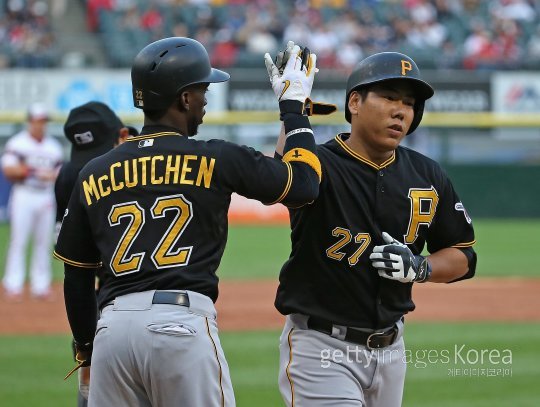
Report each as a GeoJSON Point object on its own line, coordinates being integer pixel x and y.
{"type": "Point", "coordinates": [164, 255]}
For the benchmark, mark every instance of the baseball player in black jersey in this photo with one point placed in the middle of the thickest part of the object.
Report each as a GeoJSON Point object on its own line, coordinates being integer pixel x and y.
{"type": "Point", "coordinates": [92, 129]}
{"type": "Point", "coordinates": [153, 214]}
{"type": "Point", "coordinates": [356, 250]}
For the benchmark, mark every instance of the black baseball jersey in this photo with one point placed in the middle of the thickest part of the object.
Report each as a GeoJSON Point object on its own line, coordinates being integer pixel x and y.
{"type": "Point", "coordinates": [153, 211]}
{"type": "Point", "coordinates": [63, 186]}
{"type": "Point", "coordinates": [329, 274]}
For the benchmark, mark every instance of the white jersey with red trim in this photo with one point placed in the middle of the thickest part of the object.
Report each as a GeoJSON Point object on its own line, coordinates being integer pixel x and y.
{"type": "Point", "coordinates": [39, 156]}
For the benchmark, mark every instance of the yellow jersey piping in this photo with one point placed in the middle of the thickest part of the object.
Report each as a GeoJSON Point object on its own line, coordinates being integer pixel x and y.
{"type": "Point", "coordinates": [365, 160]}
{"type": "Point", "coordinates": [76, 263]}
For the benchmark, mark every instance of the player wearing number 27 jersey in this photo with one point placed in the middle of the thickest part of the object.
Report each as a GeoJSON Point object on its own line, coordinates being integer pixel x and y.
{"type": "Point", "coordinates": [357, 249]}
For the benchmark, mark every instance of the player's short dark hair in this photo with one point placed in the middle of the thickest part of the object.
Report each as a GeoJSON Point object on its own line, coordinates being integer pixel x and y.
{"type": "Point", "coordinates": [362, 91]}
{"type": "Point", "coordinates": [154, 115]}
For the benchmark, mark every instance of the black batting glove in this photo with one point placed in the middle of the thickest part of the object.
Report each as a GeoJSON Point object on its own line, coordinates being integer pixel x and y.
{"type": "Point", "coordinates": [395, 261]}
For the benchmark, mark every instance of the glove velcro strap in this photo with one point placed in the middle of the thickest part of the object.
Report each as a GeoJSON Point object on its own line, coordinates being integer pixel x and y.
{"type": "Point", "coordinates": [312, 108]}
{"type": "Point", "coordinates": [306, 157]}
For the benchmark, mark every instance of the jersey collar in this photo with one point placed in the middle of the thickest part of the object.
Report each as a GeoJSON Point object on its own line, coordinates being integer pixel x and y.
{"type": "Point", "coordinates": [153, 135]}
{"type": "Point", "coordinates": [341, 137]}
{"type": "Point", "coordinates": [155, 131]}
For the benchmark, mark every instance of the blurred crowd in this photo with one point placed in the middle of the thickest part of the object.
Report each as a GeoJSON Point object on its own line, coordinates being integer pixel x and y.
{"type": "Point", "coordinates": [453, 34]}
{"type": "Point", "coordinates": [26, 36]}
{"type": "Point", "coordinates": [462, 34]}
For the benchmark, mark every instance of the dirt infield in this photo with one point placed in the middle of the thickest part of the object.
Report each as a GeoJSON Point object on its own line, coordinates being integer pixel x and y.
{"type": "Point", "coordinates": [246, 305]}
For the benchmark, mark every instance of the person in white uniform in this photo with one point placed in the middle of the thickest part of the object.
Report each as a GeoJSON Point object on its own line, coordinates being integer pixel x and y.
{"type": "Point", "coordinates": [31, 160]}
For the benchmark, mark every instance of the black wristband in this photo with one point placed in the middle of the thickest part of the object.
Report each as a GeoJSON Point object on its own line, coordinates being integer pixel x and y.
{"type": "Point", "coordinates": [290, 106]}
{"type": "Point", "coordinates": [85, 347]}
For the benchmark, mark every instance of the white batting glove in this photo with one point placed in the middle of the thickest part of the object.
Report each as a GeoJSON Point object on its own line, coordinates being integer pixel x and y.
{"type": "Point", "coordinates": [297, 79]}
{"type": "Point", "coordinates": [395, 261]}
{"type": "Point", "coordinates": [283, 56]}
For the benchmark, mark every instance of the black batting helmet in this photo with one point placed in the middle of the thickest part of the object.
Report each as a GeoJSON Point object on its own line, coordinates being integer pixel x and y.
{"type": "Point", "coordinates": [385, 66]}
{"type": "Point", "coordinates": [161, 69]}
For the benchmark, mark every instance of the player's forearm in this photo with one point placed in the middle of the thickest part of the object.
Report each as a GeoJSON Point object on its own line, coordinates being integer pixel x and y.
{"type": "Point", "coordinates": [448, 265]}
{"type": "Point", "coordinates": [297, 129]}
{"type": "Point", "coordinates": [280, 146]}
{"type": "Point", "coordinates": [81, 303]}
{"type": "Point", "coordinates": [16, 173]}
{"type": "Point", "coordinates": [304, 188]}
{"type": "Point", "coordinates": [300, 152]}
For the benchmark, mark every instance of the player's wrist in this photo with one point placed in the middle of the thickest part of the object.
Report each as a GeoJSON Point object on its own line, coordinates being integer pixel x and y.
{"type": "Point", "coordinates": [295, 121]}
{"type": "Point", "coordinates": [24, 172]}
{"type": "Point", "coordinates": [424, 269]}
{"type": "Point", "coordinates": [83, 352]}
{"type": "Point", "coordinates": [290, 107]}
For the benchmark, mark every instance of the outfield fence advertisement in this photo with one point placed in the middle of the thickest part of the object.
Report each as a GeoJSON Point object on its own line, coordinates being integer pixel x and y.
{"type": "Point", "coordinates": [516, 92]}
{"type": "Point", "coordinates": [62, 90]}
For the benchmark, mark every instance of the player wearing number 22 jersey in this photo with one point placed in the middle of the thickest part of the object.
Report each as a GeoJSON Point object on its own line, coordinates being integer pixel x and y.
{"type": "Point", "coordinates": [153, 213]}
{"type": "Point", "coordinates": [161, 202]}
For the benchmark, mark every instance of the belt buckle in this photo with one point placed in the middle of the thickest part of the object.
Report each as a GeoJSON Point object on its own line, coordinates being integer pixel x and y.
{"type": "Point", "coordinates": [371, 337]}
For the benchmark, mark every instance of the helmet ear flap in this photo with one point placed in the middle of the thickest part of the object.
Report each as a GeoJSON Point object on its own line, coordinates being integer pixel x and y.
{"type": "Point", "coordinates": [347, 110]}
{"type": "Point", "coordinates": [418, 113]}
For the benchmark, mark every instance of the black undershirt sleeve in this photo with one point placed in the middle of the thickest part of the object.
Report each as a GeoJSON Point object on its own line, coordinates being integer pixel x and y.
{"type": "Point", "coordinates": [81, 303]}
{"type": "Point", "coordinates": [471, 259]}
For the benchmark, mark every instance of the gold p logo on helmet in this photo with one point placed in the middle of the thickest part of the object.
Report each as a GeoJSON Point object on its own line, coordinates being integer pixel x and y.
{"type": "Point", "coordinates": [405, 66]}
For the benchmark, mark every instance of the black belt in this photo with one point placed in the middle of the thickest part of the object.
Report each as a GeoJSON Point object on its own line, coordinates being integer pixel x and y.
{"type": "Point", "coordinates": [372, 340]}
{"type": "Point", "coordinates": [171, 297]}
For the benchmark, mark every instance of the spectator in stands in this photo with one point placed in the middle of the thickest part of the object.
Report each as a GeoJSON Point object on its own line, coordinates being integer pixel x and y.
{"type": "Point", "coordinates": [225, 50]}
{"type": "Point", "coordinates": [93, 8]}
{"type": "Point", "coordinates": [479, 48]}
{"type": "Point", "coordinates": [513, 10]}
{"type": "Point", "coordinates": [131, 19]}
{"type": "Point", "coordinates": [349, 55]}
{"type": "Point", "coordinates": [506, 40]}
{"type": "Point", "coordinates": [27, 38]}
{"type": "Point", "coordinates": [427, 33]}
{"type": "Point", "coordinates": [151, 19]}
{"type": "Point", "coordinates": [421, 11]}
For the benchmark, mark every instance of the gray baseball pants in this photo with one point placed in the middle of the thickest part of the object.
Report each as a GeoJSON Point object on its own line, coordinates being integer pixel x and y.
{"type": "Point", "coordinates": [319, 370]}
{"type": "Point", "coordinates": [159, 355]}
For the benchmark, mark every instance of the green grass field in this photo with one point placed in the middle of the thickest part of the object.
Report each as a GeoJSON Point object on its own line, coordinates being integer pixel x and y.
{"type": "Point", "coordinates": [32, 368]}
{"type": "Point", "coordinates": [504, 247]}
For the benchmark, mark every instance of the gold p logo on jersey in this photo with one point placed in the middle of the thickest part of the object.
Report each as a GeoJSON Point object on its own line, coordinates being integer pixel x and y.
{"type": "Point", "coordinates": [424, 203]}
{"type": "Point", "coordinates": [405, 66]}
